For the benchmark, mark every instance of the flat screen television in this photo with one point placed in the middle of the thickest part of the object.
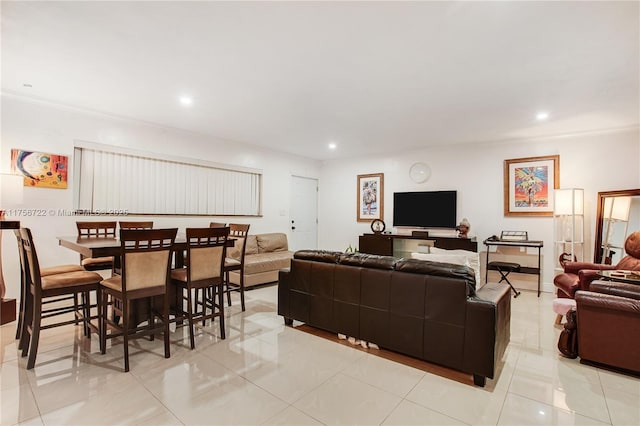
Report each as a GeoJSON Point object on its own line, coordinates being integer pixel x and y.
{"type": "Point", "coordinates": [425, 209]}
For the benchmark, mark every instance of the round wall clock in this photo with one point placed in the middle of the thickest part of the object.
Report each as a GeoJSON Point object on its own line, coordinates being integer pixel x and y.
{"type": "Point", "coordinates": [378, 226]}
{"type": "Point", "coordinates": [420, 172]}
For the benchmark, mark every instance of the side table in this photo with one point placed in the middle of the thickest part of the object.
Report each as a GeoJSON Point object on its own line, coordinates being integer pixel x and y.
{"type": "Point", "coordinates": [622, 276]}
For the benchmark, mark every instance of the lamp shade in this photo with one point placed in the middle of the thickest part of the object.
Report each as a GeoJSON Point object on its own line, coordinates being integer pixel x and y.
{"type": "Point", "coordinates": [617, 208]}
{"type": "Point", "coordinates": [568, 201]}
{"type": "Point", "coordinates": [11, 190]}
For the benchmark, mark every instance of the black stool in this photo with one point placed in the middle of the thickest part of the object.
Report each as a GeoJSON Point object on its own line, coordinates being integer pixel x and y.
{"type": "Point", "coordinates": [505, 268]}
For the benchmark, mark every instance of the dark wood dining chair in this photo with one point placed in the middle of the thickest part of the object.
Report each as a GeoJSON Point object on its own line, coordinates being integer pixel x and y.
{"type": "Point", "coordinates": [217, 225]}
{"type": "Point", "coordinates": [96, 230]}
{"type": "Point", "coordinates": [146, 256]}
{"type": "Point", "coordinates": [43, 289]}
{"type": "Point", "coordinates": [203, 273]}
{"type": "Point", "coordinates": [25, 294]}
{"type": "Point", "coordinates": [235, 262]}
{"type": "Point", "coordinates": [135, 224]}
{"type": "Point", "coordinates": [117, 269]}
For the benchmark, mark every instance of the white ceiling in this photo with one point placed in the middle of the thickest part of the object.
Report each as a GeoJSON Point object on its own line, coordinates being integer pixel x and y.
{"type": "Point", "coordinates": [370, 76]}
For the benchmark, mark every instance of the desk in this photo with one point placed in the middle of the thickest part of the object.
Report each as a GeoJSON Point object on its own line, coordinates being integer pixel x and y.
{"type": "Point", "coordinates": [525, 243]}
{"type": "Point", "coordinates": [626, 278]}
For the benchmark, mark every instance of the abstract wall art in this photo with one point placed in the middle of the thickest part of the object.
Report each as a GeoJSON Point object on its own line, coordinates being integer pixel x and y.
{"type": "Point", "coordinates": [40, 169]}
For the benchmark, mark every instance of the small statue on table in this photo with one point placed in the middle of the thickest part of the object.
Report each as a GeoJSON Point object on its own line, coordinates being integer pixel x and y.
{"type": "Point", "coordinates": [463, 228]}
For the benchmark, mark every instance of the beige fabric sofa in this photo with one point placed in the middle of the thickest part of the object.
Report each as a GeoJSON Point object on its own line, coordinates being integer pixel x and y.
{"type": "Point", "coordinates": [266, 254]}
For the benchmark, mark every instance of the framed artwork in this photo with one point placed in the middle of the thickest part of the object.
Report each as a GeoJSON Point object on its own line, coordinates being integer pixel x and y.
{"type": "Point", "coordinates": [528, 184]}
{"type": "Point", "coordinates": [370, 197]}
{"type": "Point", "coordinates": [40, 169]}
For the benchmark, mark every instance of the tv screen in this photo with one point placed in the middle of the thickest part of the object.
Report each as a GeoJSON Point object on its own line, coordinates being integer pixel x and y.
{"type": "Point", "coordinates": [427, 209]}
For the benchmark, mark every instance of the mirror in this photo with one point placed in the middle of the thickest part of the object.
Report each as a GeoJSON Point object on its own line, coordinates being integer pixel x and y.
{"type": "Point", "coordinates": [618, 215]}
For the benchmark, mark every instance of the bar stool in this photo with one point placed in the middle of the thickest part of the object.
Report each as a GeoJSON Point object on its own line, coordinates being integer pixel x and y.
{"type": "Point", "coordinates": [505, 268]}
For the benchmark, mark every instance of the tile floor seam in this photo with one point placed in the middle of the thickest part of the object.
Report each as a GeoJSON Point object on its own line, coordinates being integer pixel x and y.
{"type": "Point", "coordinates": [604, 395]}
{"type": "Point", "coordinates": [391, 411]}
{"type": "Point", "coordinates": [572, 412]}
{"type": "Point", "coordinates": [35, 400]}
{"type": "Point", "coordinates": [141, 383]}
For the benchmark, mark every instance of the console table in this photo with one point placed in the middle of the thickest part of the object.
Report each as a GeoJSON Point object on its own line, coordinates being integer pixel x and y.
{"type": "Point", "coordinates": [388, 244]}
{"type": "Point", "coordinates": [508, 243]}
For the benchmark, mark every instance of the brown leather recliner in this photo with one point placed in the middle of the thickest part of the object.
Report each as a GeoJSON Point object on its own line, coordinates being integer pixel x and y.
{"type": "Point", "coordinates": [578, 275]}
{"type": "Point", "coordinates": [609, 325]}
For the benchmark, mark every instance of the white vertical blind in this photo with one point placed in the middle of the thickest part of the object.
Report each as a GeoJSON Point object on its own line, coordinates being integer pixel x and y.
{"type": "Point", "coordinates": [109, 181]}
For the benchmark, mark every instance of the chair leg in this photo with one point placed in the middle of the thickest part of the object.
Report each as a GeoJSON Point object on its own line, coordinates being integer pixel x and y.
{"type": "Point", "coordinates": [86, 299]}
{"type": "Point", "coordinates": [242, 290]}
{"type": "Point", "coordinates": [35, 332]}
{"type": "Point", "coordinates": [206, 295]}
{"type": "Point", "coordinates": [190, 318]}
{"type": "Point", "coordinates": [165, 320]}
{"type": "Point", "coordinates": [150, 319]}
{"type": "Point", "coordinates": [125, 333]}
{"type": "Point", "coordinates": [220, 308]}
{"type": "Point", "coordinates": [558, 319]}
{"type": "Point", "coordinates": [226, 283]}
{"type": "Point", "coordinates": [27, 325]}
{"type": "Point", "coordinates": [102, 320]}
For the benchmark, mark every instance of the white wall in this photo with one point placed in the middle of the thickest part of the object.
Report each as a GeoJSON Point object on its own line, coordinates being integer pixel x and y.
{"type": "Point", "coordinates": [595, 162]}
{"type": "Point", "coordinates": [43, 127]}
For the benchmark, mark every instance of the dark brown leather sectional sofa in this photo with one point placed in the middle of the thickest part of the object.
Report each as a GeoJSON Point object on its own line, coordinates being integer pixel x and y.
{"type": "Point", "coordinates": [427, 310]}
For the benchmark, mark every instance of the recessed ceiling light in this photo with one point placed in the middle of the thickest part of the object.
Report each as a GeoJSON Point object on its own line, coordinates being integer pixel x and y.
{"type": "Point", "coordinates": [186, 100]}
{"type": "Point", "coordinates": [332, 146]}
{"type": "Point", "coordinates": [542, 115]}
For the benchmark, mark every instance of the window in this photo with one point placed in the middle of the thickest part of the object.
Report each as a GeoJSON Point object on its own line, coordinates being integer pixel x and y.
{"type": "Point", "coordinates": [111, 179]}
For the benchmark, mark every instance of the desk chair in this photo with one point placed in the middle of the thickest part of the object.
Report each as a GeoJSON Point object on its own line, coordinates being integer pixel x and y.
{"type": "Point", "coordinates": [43, 289]}
{"type": "Point", "coordinates": [146, 256]}
{"type": "Point", "coordinates": [96, 230]}
{"type": "Point", "coordinates": [206, 252]}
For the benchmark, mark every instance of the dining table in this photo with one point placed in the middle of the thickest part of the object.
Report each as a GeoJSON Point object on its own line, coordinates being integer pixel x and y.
{"type": "Point", "coordinates": [110, 246]}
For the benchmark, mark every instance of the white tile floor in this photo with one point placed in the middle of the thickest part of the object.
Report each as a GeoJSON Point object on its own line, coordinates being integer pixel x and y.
{"type": "Point", "coordinates": [266, 373]}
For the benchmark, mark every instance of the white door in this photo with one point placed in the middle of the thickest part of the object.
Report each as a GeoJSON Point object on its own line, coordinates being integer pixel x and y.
{"type": "Point", "coordinates": [304, 213]}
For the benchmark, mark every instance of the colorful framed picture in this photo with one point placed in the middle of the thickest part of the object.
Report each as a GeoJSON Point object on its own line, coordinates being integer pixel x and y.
{"type": "Point", "coordinates": [370, 197]}
{"type": "Point", "coordinates": [528, 185]}
{"type": "Point", "coordinates": [40, 169]}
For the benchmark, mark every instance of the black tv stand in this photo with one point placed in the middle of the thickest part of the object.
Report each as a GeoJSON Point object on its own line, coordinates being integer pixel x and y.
{"type": "Point", "coordinates": [387, 244]}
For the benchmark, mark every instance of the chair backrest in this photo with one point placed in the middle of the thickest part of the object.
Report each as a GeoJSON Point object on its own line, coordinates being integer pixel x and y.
{"type": "Point", "coordinates": [217, 225]}
{"type": "Point", "coordinates": [32, 266]}
{"type": "Point", "coordinates": [23, 259]}
{"type": "Point", "coordinates": [146, 255]}
{"type": "Point", "coordinates": [239, 231]}
{"type": "Point", "coordinates": [96, 229]}
{"type": "Point", "coordinates": [136, 224]}
{"type": "Point", "coordinates": [206, 251]}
